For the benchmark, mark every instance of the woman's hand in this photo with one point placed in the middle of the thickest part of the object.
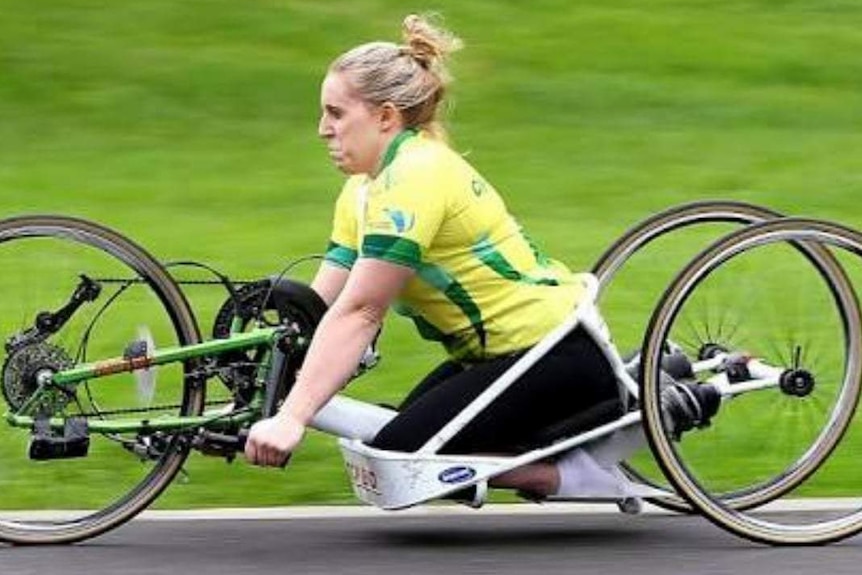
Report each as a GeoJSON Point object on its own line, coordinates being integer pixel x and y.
{"type": "Point", "coordinates": [342, 336]}
{"type": "Point", "coordinates": [271, 441]}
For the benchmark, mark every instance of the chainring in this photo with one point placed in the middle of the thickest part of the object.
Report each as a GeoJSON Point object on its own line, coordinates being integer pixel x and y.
{"type": "Point", "coordinates": [272, 302]}
{"type": "Point", "coordinates": [21, 372]}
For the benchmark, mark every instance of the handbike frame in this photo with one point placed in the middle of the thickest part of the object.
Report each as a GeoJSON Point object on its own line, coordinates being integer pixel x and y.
{"type": "Point", "coordinates": [395, 480]}
{"type": "Point", "coordinates": [390, 480]}
{"type": "Point", "coordinates": [260, 337]}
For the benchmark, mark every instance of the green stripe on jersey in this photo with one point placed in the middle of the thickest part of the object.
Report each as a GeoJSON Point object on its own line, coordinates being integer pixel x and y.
{"type": "Point", "coordinates": [392, 249]}
{"type": "Point", "coordinates": [487, 253]}
{"type": "Point", "coordinates": [438, 278]}
{"type": "Point", "coordinates": [408, 253]}
{"type": "Point", "coordinates": [396, 142]}
{"type": "Point", "coordinates": [340, 255]}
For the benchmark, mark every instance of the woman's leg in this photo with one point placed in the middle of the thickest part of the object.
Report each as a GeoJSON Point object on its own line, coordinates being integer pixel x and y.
{"type": "Point", "coordinates": [435, 401]}
{"type": "Point", "coordinates": [572, 377]}
{"type": "Point", "coordinates": [438, 375]}
{"type": "Point", "coordinates": [541, 479]}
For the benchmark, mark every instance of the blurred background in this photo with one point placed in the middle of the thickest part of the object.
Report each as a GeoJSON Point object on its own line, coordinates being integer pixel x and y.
{"type": "Point", "coordinates": [190, 126]}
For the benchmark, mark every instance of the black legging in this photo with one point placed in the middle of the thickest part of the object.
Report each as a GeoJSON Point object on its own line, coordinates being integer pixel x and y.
{"type": "Point", "coordinates": [570, 379]}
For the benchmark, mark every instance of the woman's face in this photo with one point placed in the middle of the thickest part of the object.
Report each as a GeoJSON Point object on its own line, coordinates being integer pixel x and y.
{"type": "Point", "coordinates": [353, 130]}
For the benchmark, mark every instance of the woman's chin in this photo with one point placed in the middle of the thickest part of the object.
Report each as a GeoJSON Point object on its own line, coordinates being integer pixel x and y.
{"type": "Point", "coordinates": [339, 163]}
{"type": "Point", "coordinates": [345, 168]}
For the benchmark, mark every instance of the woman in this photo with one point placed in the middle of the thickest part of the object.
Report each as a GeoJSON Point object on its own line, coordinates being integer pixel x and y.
{"type": "Point", "coordinates": [417, 227]}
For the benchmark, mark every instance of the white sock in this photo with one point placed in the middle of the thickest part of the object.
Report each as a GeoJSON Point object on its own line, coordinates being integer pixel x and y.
{"type": "Point", "coordinates": [581, 476]}
{"type": "Point", "coordinates": [618, 446]}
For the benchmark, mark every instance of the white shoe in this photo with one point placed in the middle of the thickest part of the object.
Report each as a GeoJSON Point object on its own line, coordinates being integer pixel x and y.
{"type": "Point", "coordinates": [636, 489]}
{"type": "Point", "coordinates": [581, 477]}
{"type": "Point", "coordinates": [630, 505]}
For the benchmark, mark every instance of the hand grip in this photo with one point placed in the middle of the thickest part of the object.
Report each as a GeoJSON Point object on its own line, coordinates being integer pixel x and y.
{"type": "Point", "coordinates": [242, 438]}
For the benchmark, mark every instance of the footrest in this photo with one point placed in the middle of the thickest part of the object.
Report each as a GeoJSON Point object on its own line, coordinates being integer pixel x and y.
{"type": "Point", "coordinates": [46, 444]}
{"type": "Point", "coordinates": [395, 480]}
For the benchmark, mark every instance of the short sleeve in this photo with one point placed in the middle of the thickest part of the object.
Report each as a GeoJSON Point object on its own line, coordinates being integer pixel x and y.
{"type": "Point", "coordinates": [403, 215]}
{"type": "Point", "coordinates": [342, 248]}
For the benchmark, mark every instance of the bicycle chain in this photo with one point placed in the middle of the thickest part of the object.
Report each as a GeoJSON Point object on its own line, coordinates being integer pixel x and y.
{"type": "Point", "coordinates": [151, 409]}
{"type": "Point", "coordinates": [130, 410]}
{"type": "Point", "coordinates": [126, 411]}
{"type": "Point", "coordinates": [178, 282]}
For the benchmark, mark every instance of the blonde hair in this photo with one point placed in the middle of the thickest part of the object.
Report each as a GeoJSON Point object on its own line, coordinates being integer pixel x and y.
{"type": "Point", "coordinates": [412, 76]}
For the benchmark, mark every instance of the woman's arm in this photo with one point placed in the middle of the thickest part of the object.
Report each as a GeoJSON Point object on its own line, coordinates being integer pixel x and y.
{"type": "Point", "coordinates": [329, 281]}
{"type": "Point", "coordinates": [338, 344]}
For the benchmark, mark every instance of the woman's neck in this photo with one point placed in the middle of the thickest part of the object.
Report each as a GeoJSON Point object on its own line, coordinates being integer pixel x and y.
{"type": "Point", "coordinates": [392, 148]}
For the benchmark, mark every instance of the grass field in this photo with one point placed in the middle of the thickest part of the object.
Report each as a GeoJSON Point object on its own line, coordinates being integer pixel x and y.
{"type": "Point", "coordinates": [191, 127]}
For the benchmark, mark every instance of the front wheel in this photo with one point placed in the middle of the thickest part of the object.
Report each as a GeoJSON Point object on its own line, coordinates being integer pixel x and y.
{"type": "Point", "coordinates": [72, 292]}
{"type": "Point", "coordinates": [788, 394]}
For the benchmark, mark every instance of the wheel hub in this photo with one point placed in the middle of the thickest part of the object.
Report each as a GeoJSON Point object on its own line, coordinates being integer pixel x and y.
{"type": "Point", "coordinates": [796, 382]}
{"type": "Point", "coordinates": [27, 368]}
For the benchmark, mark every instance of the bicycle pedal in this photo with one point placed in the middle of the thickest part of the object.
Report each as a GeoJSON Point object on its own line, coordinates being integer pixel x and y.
{"type": "Point", "coordinates": [216, 444]}
{"type": "Point", "coordinates": [45, 444]}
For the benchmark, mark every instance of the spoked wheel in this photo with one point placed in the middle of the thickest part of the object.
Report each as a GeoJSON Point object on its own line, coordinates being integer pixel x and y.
{"type": "Point", "coordinates": [783, 423]}
{"type": "Point", "coordinates": [634, 270]}
{"type": "Point", "coordinates": [73, 292]}
{"type": "Point", "coordinates": [670, 220]}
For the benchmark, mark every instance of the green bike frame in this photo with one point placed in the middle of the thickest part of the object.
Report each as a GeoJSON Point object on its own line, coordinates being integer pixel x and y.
{"type": "Point", "coordinates": [66, 379]}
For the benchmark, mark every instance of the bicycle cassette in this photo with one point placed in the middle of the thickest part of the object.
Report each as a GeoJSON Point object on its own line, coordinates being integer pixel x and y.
{"type": "Point", "coordinates": [24, 369]}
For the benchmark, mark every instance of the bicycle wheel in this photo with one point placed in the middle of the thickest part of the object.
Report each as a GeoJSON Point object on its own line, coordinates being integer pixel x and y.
{"type": "Point", "coordinates": [767, 300]}
{"type": "Point", "coordinates": [633, 271]}
{"type": "Point", "coordinates": [675, 218]}
{"type": "Point", "coordinates": [54, 267]}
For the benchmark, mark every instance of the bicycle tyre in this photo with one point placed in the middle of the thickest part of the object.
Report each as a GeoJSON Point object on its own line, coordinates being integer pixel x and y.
{"type": "Point", "coordinates": [667, 222]}
{"type": "Point", "coordinates": [652, 229]}
{"type": "Point", "coordinates": [684, 476]}
{"type": "Point", "coordinates": [96, 242]}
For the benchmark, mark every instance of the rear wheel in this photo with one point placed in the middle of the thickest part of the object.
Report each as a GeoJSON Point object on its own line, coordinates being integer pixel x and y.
{"type": "Point", "coordinates": [121, 295]}
{"type": "Point", "coordinates": [792, 436]}
{"type": "Point", "coordinates": [634, 270]}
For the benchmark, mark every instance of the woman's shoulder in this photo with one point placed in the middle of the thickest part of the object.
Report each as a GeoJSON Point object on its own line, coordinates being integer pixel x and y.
{"type": "Point", "coordinates": [431, 161]}
{"type": "Point", "coordinates": [352, 184]}
{"type": "Point", "coordinates": [347, 198]}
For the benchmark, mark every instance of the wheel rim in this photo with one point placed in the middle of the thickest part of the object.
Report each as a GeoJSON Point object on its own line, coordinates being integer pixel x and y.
{"type": "Point", "coordinates": [710, 214]}
{"type": "Point", "coordinates": [71, 499]}
{"type": "Point", "coordinates": [679, 461]}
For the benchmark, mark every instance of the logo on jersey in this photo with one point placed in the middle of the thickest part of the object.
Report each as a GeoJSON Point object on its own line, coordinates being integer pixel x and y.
{"type": "Point", "coordinates": [479, 187]}
{"type": "Point", "coordinates": [403, 221]}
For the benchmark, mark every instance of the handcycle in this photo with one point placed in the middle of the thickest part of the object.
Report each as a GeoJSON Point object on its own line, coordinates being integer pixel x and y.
{"type": "Point", "coordinates": [71, 290]}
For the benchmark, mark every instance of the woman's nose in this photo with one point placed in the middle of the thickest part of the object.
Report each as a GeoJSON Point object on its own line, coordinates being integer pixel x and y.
{"type": "Point", "coordinates": [324, 129]}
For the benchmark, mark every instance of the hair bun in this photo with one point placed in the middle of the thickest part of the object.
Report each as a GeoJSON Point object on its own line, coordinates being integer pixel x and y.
{"type": "Point", "coordinates": [427, 42]}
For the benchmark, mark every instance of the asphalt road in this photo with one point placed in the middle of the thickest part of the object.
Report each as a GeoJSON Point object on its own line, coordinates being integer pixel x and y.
{"type": "Point", "coordinates": [606, 543]}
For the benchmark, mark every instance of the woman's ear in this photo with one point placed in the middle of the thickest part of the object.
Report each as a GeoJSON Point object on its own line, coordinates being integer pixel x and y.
{"type": "Point", "coordinates": [390, 118]}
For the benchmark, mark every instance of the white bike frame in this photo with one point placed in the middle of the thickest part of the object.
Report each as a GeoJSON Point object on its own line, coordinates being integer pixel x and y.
{"type": "Point", "coordinates": [396, 480]}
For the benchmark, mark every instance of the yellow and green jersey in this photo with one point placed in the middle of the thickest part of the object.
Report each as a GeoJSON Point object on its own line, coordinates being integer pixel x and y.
{"type": "Point", "coordinates": [481, 287]}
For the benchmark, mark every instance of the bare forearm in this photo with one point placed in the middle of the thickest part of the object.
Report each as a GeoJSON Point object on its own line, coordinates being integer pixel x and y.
{"type": "Point", "coordinates": [340, 340]}
{"type": "Point", "coordinates": [361, 299]}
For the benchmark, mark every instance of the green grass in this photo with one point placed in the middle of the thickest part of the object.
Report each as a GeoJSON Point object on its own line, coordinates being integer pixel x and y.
{"type": "Point", "coordinates": [190, 126]}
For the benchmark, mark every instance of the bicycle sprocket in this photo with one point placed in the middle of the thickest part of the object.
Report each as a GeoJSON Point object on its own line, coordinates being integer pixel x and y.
{"type": "Point", "coordinates": [23, 369]}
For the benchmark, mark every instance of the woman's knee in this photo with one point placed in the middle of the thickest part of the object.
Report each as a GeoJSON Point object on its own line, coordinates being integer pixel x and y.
{"type": "Point", "coordinates": [392, 438]}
